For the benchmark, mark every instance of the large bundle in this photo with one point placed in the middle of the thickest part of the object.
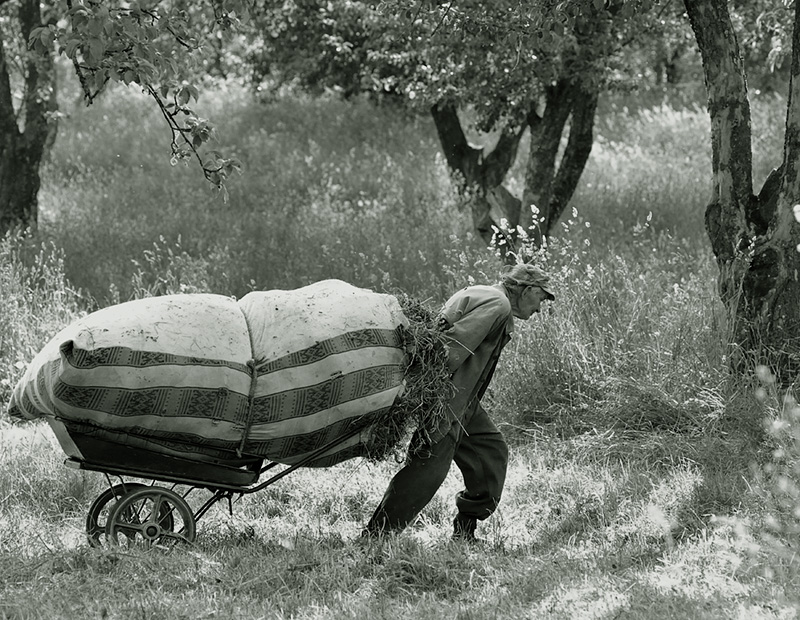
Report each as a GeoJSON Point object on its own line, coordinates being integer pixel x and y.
{"type": "Point", "coordinates": [328, 358]}
{"type": "Point", "coordinates": [276, 375]}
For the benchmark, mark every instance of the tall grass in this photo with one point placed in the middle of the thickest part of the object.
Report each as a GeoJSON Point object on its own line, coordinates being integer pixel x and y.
{"type": "Point", "coordinates": [330, 190]}
{"type": "Point", "coordinates": [37, 300]}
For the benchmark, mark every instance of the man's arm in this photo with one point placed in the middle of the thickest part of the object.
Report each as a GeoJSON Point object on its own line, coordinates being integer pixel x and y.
{"type": "Point", "coordinates": [471, 326]}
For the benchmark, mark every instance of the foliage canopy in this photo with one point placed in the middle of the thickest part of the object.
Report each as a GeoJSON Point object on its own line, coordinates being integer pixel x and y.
{"type": "Point", "coordinates": [496, 58]}
{"type": "Point", "coordinates": [158, 46]}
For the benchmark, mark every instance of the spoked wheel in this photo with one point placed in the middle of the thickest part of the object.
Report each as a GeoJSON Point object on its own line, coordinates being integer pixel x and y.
{"type": "Point", "coordinates": [98, 514]}
{"type": "Point", "coordinates": [150, 515]}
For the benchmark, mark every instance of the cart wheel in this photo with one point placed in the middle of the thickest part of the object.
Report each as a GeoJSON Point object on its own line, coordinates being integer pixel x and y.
{"type": "Point", "coordinates": [150, 515]}
{"type": "Point", "coordinates": [97, 517]}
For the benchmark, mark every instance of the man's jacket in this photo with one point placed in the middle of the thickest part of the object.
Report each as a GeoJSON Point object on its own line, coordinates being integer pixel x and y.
{"type": "Point", "coordinates": [478, 323]}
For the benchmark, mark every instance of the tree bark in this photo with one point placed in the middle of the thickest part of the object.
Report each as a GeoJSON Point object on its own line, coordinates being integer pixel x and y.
{"type": "Point", "coordinates": [753, 238]}
{"type": "Point", "coordinates": [479, 177]}
{"type": "Point", "coordinates": [549, 187]}
{"type": "Point", "coordinates": [576, 154]}
{"type": "Point", "coordinates": [24, 133]}
{"type": "Point", "coordinates": [546, 132]}
{"type": "Point", "coordinates": [778, 321]}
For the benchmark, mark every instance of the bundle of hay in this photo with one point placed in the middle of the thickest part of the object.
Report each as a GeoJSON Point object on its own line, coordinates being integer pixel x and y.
{"type": "Point", "coordinates": [423, 406]}
{"type": "Point", "coordinates": [276, 375]}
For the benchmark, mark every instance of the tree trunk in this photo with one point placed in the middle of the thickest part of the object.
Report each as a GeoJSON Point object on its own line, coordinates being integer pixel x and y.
{"type": "Point", "coordinates": [574, 98]}
{"type": "Point", "coordinates": [479, 177]}
{"type": "Point", "coordinates": [571, 99]}
{"type": "Point", "coordinates": [779, 318]}
{"type": "Point", "coordinates": [576, 154]}
{"type": "Point", "coordinates": [546, 132]}
{"type": "Point", "coordinates": [753, 238]}
{"type": "Point", "coordinates": [548, 188]}
{"type": "Point", "coordinates": [24, 133]}
{"type": "Point", "coordinates": [550, 182]}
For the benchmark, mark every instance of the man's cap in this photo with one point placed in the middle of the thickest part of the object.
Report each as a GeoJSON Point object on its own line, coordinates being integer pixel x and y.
{"type": "Point", "coordinates": [529, 275]}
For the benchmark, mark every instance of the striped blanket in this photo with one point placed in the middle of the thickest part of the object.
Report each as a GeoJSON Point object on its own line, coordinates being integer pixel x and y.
{"type": "Point", "coordinates": [276, 375]}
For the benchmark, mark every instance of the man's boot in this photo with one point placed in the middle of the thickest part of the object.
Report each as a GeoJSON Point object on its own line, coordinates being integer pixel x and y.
{"type": "Point", "coordinates": [464, 528]}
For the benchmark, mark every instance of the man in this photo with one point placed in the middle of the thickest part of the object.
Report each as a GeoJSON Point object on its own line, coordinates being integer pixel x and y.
{"type": "Point", "coordinates": [477, 322]}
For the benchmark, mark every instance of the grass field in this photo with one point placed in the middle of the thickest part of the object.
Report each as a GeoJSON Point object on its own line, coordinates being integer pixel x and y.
{"type": "Point", "coordinates": [644, 480]}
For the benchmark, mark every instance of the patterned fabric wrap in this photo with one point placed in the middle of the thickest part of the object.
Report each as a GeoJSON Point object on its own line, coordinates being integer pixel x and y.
{"type": "Point", "coordinates": [277, 375]}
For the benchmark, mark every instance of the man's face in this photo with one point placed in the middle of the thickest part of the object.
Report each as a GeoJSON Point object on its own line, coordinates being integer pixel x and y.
{"type": "Point", "coordinates": [530, 302]}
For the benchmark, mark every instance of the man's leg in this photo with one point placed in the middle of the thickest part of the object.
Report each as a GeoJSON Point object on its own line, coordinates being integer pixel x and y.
{"type": "Point", "coordinates": [413, 486]}
{"type": "Point", "coordinates": [482, 457]}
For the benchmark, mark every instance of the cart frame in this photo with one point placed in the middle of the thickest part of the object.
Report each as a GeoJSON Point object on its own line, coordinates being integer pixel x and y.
{"type": "Point", "coordinates": [124, 501]}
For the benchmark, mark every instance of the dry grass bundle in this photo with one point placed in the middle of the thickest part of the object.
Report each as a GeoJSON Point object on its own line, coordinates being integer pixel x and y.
{"type": "Point", "coordinates": [423, 405]}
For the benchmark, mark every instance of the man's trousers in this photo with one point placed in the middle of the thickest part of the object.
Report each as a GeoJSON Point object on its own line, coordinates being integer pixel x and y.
{"type": "Point", "coordinates": [479, 451]}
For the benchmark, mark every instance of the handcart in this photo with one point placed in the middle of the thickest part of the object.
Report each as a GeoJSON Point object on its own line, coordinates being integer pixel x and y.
{"type": "Point", "coordinates": [132, 513]}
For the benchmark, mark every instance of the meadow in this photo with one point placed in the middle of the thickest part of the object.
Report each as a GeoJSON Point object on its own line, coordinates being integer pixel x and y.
{"type": "Point", "coordinates": [645, 480]}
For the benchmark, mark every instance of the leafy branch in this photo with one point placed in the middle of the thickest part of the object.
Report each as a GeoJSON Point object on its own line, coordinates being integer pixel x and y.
{"type": "Point", "coordinates": [155, 48]}
{"type": "Point", "coordinates": [188, 138]}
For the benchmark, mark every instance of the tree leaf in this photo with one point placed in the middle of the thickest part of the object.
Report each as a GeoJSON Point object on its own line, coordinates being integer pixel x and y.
{"type": "Point", "coordinates": [71, 48]}
{"type": "Point", "coordinates": [96, 50]}
{"type": "Point", "coordinates": [95, 27]}
{"type": "Point", "coordinates": [99, 80]}
{"type": "Point", "coordinates": [35, 34]}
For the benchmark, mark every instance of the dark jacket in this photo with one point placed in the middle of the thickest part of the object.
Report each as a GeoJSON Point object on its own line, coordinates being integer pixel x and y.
{"type": "Point", "coordinates": [478, 325]}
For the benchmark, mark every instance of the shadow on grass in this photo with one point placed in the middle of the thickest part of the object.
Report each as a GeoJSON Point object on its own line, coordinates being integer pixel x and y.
{"type": "Point", "coordinates": [726, 457]}
{"type": "Point", "coordinates": [649, 485]}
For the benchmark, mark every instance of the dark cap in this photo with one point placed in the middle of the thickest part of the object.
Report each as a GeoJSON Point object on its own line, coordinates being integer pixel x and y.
{"type": "Point", "coordinates": [529, 275]}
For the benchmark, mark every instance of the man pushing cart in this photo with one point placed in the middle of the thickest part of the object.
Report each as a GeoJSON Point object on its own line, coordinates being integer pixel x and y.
{"type": "Point", "coordinates": [201, 390]}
